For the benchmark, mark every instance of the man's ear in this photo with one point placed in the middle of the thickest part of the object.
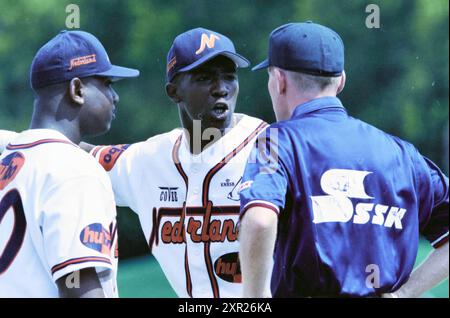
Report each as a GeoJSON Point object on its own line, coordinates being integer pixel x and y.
{"type": "Point", "coordinates": [280, 78]}
{"type": "Point", "coordinates": [171, 91]}
{"type": "Point", "coordinates": [76, 91]}
{"type": "Point", "coordinates": [342, 83]}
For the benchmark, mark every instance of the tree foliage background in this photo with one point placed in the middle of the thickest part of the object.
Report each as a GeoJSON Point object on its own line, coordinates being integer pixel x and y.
{"type": "Point", "coordinates": [397, 75]}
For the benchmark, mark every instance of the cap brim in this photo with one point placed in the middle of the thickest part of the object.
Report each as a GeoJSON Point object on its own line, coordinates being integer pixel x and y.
{"type": "Point", "coordinates": [235, 57]}
{"type": "Point", "coordinates": [263, 64]}
{"type": "Point", "coordinates": [119, 72]}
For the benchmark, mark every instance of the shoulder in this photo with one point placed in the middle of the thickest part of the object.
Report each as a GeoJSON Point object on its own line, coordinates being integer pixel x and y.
{"type": "Point", "coordinates": [161, 139]}
{"type": "Point", "coordinates": [386, 137]}
{"type": "Point", "coordinates": [60, 163]}
{"type": "Point", "coordinates": [157, 144]}
{"type": "Point", "coordinates": [76, 160]}
{"type": "Point", "coordinates": [249, 126]}
{"type": "Point", "coordinates": [108, 156]}
{"type": "Point", "coordinates": [248, 122]}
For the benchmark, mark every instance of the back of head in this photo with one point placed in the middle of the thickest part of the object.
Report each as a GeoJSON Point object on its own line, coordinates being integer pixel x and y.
{"type": "Point", "coordinates": [306, 62]}
{"type": "Point", "coordinates": [307, 48]}
{"type": "Point", "coordinates": [73, 54]}
{"type": "Point", "coordinates": [312, 54]}
{"type": "Point", "coordinates": [313, 83]}
{"type": "Point", "coordinates": [71, 76]}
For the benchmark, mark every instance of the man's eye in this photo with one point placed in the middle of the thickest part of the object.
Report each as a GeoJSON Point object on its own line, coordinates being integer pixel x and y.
{"type": "Point", "coordinates": [231, 77]}
{"type": "Point", "coordinates": [202, 78]}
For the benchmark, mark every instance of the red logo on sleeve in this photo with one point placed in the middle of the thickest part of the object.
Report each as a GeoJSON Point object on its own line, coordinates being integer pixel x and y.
{"type": "Point", "coordinates": [10, 167]}
{"type": "Point", "coordinates": [110, 154]}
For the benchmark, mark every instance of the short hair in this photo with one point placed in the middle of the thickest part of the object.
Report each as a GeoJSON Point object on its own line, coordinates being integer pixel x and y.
{"type": "Point", "coordinates": [51, 90]}
{"type": "Point", "coordinates": [307, 82]}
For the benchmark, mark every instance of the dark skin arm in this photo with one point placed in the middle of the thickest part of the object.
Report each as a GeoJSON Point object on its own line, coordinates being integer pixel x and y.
{"type": "Point", "coordinates": [89, 285]}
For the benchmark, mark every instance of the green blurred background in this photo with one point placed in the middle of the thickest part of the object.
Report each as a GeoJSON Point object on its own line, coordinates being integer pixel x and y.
{"type": "Point", "coordinates": [397, 75]}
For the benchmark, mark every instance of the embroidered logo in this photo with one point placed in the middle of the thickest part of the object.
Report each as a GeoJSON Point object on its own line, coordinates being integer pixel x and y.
{"type": "Point", "coordinates": [82, 60]}
{"type": "Point", "coordinates": [206, 41]}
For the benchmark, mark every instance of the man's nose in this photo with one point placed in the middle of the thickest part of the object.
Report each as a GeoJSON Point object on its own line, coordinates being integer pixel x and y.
{"type": "Point", "coordinates": [220, 88]}
{"type": "Point", "coordinates": [115, 96]}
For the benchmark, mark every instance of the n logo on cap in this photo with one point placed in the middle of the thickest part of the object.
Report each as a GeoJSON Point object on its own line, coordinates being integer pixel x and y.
{"type": "Point", "coordinates": [207, 42]}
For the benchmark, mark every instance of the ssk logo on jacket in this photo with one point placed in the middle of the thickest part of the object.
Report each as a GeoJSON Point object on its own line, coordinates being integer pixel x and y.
{"type": "Point", "coordinates": [341, 185]}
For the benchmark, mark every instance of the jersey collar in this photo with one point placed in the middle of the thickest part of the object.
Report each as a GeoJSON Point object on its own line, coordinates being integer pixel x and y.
{"type": "Point", "coordinates": [317, 104]}
{"type": "Point", "coordinates": [34, 137]}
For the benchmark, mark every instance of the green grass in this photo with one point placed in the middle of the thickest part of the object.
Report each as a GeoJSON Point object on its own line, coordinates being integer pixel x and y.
{"type": "Point", "coordinates": [142, 277]}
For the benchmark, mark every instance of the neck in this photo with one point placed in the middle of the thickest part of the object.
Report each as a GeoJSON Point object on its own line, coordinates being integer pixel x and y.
{"type": "Point", "coordinates": [44, 117]}
{"type": "Point", "coordinates": [304, 98]}
{"type": "Point", "coordinates": [200, 137]}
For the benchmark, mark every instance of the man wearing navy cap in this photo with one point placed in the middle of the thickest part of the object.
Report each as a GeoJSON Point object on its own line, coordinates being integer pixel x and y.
{"type": "Point", "coordinates": [55, 200]}
{"type": "Point", "coordinates": [341, 202]}
{"type": "Point", "coordinates": [183, 184]}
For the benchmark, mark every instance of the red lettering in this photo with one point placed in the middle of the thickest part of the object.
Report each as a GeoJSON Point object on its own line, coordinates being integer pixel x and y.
{"type": "Point", "coordinates": [89, 236]}
{"type": "Point", "coordinates": [200, 231]}
{"type": "Point", "coordinates": [193, 226]}
{"type": "Point", "coordinates": [99, 238]}
{"type": "Point", "coordinates": [178, 233]}
{"type": "Point", "coordinates": [214, 231]}
{"type": "Point", "coordinates": [166, 232]}
{"type": "Point", "coordinates": [206, 219]}
{"type": "Point", "coordinates": [229, 230]}
{"type": "Point", "coordinates": [226, 268]}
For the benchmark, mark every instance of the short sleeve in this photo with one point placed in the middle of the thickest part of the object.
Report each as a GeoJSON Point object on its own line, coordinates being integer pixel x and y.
{"type": "Point", "coordinates": [78, 226]}
{"type": "Point", "coordinates": [434, 219]}
{"type": "Point", "coordinates": [6, 137]}
{"type": "Point", "coordinates": [265, 178]}
{"type": "Point", "coordinates": [117, 161]}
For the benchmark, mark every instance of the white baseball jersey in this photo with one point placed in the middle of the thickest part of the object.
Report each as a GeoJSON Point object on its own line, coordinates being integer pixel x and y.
{"type": "Point", "coordinates": [188, 205]}
{"type": "Point", "coordinates": [5, 137]}
{"type": "Point", "coordinates": [57, 216]}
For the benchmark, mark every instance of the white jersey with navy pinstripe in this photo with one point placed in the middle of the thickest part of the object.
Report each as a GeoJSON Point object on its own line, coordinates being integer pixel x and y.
{"type": "Point", "coordinates": [188, 205]}
{"type": "Point", "coordinates": [57, 216]}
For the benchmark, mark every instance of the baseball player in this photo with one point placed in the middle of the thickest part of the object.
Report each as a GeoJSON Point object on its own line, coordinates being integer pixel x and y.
{"type": "Point", "coordinates": [57, 211]}
{"type": "Point", "coordinates": [183, 184]}
{"type": "Point", "coordinates": [344, 202]}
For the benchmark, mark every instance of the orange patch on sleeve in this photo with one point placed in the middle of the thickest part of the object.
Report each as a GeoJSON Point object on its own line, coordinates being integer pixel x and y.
{"type": "Point", "coordinates": [110, 154]}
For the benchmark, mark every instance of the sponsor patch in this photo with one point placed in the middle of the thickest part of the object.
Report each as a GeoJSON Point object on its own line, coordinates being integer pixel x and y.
{"type": "Point", "coordinates": [245, 185]}
{"type": "Point", "coordinates": [10, 167]}
{"type": "Point", "coordinates": [228, 268]}
{"type": "Point", "coordinates": [110, 154]}
{"type": "Point", "coordinates": [168, 194]}
{"type": "Point", "coordinates": [96, 237]}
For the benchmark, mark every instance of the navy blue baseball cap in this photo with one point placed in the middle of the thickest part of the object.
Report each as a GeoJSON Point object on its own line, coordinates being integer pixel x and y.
{"type": "Point", "coordinates": [305, 47]}
{"type": "Point", "coordinates": [197, 46]}
{"type": "Point", "coordinates": [73, 54]}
